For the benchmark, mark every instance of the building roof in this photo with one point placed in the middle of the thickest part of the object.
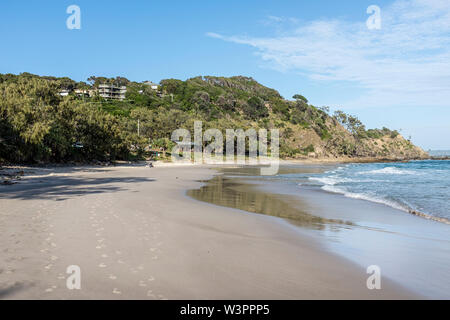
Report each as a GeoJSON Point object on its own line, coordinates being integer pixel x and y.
{"type": "Point", "coordinates": [149, 83]}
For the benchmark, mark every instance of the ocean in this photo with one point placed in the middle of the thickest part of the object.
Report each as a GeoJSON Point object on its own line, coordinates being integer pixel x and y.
{"type": "Point", "coordinates": [362, 212]}
{"type": "Point", "coordinates": [422, 187]}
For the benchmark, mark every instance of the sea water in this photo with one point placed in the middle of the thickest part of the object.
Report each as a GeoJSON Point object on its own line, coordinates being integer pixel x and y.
{"type": "Point", "coordinates": [415, 186]}
{"type": "Point", "coordinates": [375, 229]}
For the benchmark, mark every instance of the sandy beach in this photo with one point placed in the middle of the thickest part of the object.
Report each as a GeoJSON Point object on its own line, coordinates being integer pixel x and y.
{"type": "Point", "coordinates": [136, 235]}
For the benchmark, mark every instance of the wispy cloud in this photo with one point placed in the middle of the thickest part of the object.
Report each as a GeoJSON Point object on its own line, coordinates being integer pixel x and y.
{"type": "Point", "coordinates": [405, 63]}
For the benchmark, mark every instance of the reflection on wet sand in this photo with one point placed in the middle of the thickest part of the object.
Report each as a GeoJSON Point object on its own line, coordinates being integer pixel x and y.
{"type": "Point", "coordinates": [283, 170]}
{"type": "Point", "coordinates": [234, 193]}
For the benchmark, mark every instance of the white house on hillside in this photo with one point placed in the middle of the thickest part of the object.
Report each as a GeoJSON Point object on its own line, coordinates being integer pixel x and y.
{"type": "Point", "coordinates": [64, 93]}
{"type": "Point", "coordinates": [152, 85]}
{"type": "Point", "coordinates": [109, 91]}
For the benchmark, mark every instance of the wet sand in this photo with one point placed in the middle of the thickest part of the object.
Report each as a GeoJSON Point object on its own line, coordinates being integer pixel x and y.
{"type": "Point", "coordinates": [410, 250]}
{"type": "Point", "coordinates": [136, 235]}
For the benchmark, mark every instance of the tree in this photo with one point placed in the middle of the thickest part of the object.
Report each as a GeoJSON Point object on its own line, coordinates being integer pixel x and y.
{"type": "Point", "coordinates": [325, 109]}
{"type": "Point", "coordinates": [121, 81]}
{"type": "Point", "coordinates": [255, 109]}
{"type": "Point", "coordinates": [355, 126]}
{"type": "Point", "coordinates": [299, 97]}
{"type": "Point", "coordinates": [351, 123]}
{"type": "Point", "coordinates": [172, 86]}
{"type": "Point", "coordinates": [341, 117]}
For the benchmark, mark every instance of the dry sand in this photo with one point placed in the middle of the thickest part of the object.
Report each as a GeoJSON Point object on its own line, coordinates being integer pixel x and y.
{"type": "Point", "coordinates": [135, 235]}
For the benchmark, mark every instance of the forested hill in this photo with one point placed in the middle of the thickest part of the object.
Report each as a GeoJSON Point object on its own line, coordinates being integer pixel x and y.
{"type": "Point", "coordinates": [37, 124]}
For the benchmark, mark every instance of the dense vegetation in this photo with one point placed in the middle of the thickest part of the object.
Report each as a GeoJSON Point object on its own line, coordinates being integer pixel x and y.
{"type": "Point", "coordinates": [39, 125]}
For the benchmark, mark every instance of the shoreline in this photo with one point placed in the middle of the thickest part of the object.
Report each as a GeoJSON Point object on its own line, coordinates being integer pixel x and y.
{"type": "Point", "coordinates": [12, 174]}
{"type": "Point", "coordinates": [164, 162]}
{"type": "Point", "coordinates": [137, 235]}
{"type": "Point", "coordinates": [381, 225]}
{"type": "Point", "coordinates": [416, 213]}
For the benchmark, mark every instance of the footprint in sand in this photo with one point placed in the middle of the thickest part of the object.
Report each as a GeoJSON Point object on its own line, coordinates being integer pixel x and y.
{"type": "Point", "coordinates": [102, 265]}
{"type": "Point", "coordinates": [104, 255]}
{"type": "Point", "coordinates": [112, 277]}
{"type": "Point", "coordinates": [54, 258]}
{"type": "Point", "coordinates": [151, 278]}
{"type": "Point", "coordinates": [142, 283]}
{"type": "Point", "coordinates": [48, 290]}
{"type": "Point", "coordinates": [10, 270]}
{"type": "Point", "coordinates": [117, 291]}
{"type": "Point", "coordinates": [150, 294]}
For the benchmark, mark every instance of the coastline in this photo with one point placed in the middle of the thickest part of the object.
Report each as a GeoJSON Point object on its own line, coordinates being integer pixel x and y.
{"type": "Point", "coordinates": [136, 235]}
{"type": "Point", "coordinates": [11, 173]}
{"type": "Point", "coordinates": [409, 249]}
{"type": "Point", "coordinates": [417, 213]}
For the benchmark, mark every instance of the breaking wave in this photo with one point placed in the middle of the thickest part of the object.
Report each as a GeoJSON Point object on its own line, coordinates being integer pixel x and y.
{"type": "Point", "coordinates": [421, 188]}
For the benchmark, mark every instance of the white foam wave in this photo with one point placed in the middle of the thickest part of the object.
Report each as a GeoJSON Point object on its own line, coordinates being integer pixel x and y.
{"type": "Point", "coordinates": [335, 183]}
{"type": "Point", "coordinates": [326, 180]}
{"type": "Point", "coordinates": [334, 180]}
{"type": "Point", "coordinates": [333, 189]}
{"type": "Point", "coordinates": [363, 196]}
{"type": "Point", "coordinates": [335, 170]}
{"type": "Point", "coordinates": [389, 170]}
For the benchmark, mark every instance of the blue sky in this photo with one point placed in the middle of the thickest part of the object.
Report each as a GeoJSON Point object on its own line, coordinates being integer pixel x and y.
{"type": "Point", "coordinates": [397, 77]}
